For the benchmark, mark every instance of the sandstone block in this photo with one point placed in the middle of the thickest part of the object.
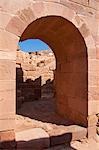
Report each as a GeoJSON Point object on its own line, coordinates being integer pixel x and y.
{"type": "Point", "coordinates": [92, 53]}
{"type": "Point", "coordinates": [84, 2]}
{"type": "Point", "coordinates": [7, 102]}
{"type": "Point", "coordinates": [7, 97]}
{"type": "Point", "coordinates": [26, 15]}
{"type": "Point", "coordinates": [94, 4]}
{"type": "Point", "coordinates": [7, 123]}
{"type": "Point", "coordinates": [92, 120]}
{"type": "Point", "coordinates": [10, 39]}
{"type": "Point", "coordinates": [16, 26]}
{"type": "Point", "coordinates": [7, 139]}
{"type": "Point", "coordinates": [7, 135]}
{"type": "Point", "coordinates": [73, 132]}
{"type": "Point", "coordinates": [93, 107]}
{"type": "Point", "coordinates": [5, 18]}
{"type": "Point", "coordinates": [13, 6]}
{"type": "Point", "coordinates": [90, 42]}
{"type": "Point", "coordinates": [35, 138]}
{"type": "Point", "coordinates": [8, 55]}
{"type": "Point", "coordinates": [7, 70]}
{"type": "Point", "coordinates": [30, 73]}
{"type": "Point", "coordinates": [93, 93]}
{"type": "Point", "coordinates": [97, 53]}
{"type": "Point", "coordinates": [38, 9]}
{"type": "Point", "coordinates": [93, 80]}
{"type": "Point", "coordinates": [28, 67]}
{"type": "Point", "coordinates": [74, 6]}
{"type": "Point", "coordinates": [93, 65]}
{"type": "Point", "coordinates": [92, 132]}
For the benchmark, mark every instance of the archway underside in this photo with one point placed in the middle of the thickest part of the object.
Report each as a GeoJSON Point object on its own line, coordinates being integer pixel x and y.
{"type": "Point", "coordinates": [71, 64]}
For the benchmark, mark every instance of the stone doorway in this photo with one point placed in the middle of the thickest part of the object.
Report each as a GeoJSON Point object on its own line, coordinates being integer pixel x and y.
{"type": "Point", "coordinates": [70, 81]}
{"type": "Point", "coordinates": [71, 74]}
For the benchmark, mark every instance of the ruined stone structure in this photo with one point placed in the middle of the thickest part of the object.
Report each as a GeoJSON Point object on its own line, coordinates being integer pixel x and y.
{"type": "Point", "coordinates": [71, 29]}
{"type": "Point", "coordinates": [33, 71]}
{"type": "Point", "coordinates": [36, 64]}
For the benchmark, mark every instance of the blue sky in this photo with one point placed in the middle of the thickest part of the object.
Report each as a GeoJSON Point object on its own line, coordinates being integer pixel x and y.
{"type": "Point", "coordinates": [33, 45]}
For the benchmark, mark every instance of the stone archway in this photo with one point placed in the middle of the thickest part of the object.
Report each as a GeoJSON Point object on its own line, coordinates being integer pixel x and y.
{"type": "Point", "coordinates": [19, 17]}
{"type": "Point", "coordinates": [71, 64]}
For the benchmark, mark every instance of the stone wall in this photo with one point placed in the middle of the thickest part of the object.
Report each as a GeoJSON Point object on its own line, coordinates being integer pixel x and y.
{"type": "Point", "coordinates": [15, 16]}
{"type": "Point", "coordinates": [34, 75]}
{"type": "Point", "coordinates": [36, 64]}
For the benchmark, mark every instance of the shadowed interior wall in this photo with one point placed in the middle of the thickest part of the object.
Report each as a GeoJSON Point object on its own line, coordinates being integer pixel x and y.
{"type": "Point", "coordinates": [71, 75]}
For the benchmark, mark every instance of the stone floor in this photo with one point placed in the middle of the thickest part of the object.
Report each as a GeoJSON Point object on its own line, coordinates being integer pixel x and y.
{"type": "Point", "coordinates": [85, 144]}
{"type": "Point", "coordinates": [77, 145]}
{"type": "Point", "coordinates": [37, 123]}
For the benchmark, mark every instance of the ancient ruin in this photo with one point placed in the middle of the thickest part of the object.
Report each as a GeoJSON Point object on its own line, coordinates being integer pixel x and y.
{"type": "Point", "coordinates": [71, 29]}
{"type": "Point", "coordinates": [34, 75]}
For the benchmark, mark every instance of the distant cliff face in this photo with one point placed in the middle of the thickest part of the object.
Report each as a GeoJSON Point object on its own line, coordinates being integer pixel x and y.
{"type": "Point", "coordinates": [36, 64]}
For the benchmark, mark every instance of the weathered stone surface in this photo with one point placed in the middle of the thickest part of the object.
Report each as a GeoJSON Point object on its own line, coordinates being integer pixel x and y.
{"type": "Point", "coordinates": [28, 67]}
{"type": "Point", "coordinates": [7, 93]}
{"type": "Point", "coordinates": [35, 138]}
{"type": "Point", "coordinates": [93, 65]}
{"type": "Point", "coordinates": [7, 135]}
{"type": "Point", "coordinates": [34, 71]}
{"type": "Point", "coordinates": [60, 130]}
{"type": "Point", "coordinates": [97, 52]}
{"type": "Point", "coordinates": [91, 131]}
{"type": "Point", "coordinates": [72, 133]}
{"type": "Point", "coordinates": [13, 6]}
{"type": "Point", "coordinates": [16, 26]}
{"type": "Point", "coordinates": [6, 71]}
{"type": "Point", "coordinates": [92, 120]}
{"type": "Point", "coordinates": [7, 121]}
{"type": "Point", "coordinates": [93, 93]}
{"type": "Point", "coordinates": [7, 139]}
{"type": "Point", "coordinates": [7, 104]}
{"type": "Point", "coordinates": [7, 55]}
{"type": "Point", "coordinates": [93, 81]}
{"type": "Point", "coordinates": [5, 18]}
{"type": "Point", "coordinates": [26, 15]}
{"type": "Point", "coordinates": [70, 38]}
{"type": "Point", "coordinates": [93, 107]}
{"type": "Point", "coordinates": [35, 64]}
{"type": "Point", "coordinates": [8, 41]}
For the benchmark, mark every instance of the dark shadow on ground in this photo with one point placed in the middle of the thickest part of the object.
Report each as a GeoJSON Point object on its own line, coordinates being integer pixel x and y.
{"type": "Point", "coordinates": [37, 101]}
{"type": "Point", "coordinates": [40, 143]}
{"type": "Point", "coordinates": [47, 143]}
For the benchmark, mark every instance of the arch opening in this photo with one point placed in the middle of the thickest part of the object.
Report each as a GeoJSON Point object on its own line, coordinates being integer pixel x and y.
{"type": "Point", "coordinates": [71, 73]}
{"type": "Point", "coordinates": [71, 63]}
{"type": "Point", "coordinates": [35, 65]}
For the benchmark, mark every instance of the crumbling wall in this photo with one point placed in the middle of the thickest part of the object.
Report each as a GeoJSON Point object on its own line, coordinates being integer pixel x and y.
{"type": "Point", "coordinates": [36, 64]}
{"type": "Point", "coordinates": [34, 75]}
